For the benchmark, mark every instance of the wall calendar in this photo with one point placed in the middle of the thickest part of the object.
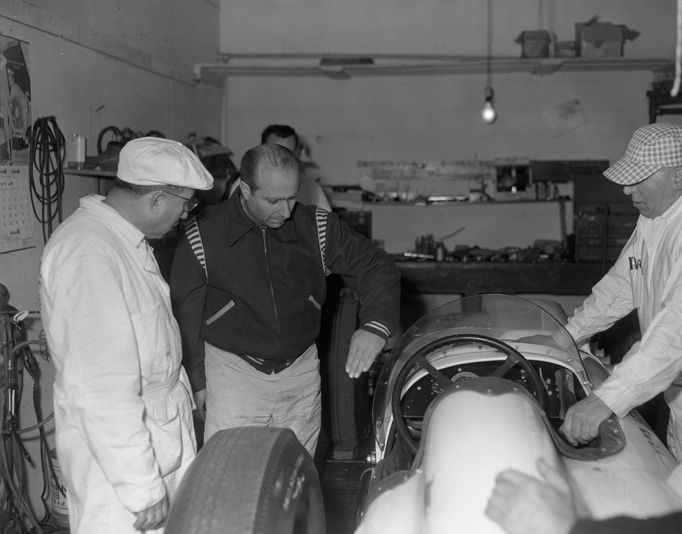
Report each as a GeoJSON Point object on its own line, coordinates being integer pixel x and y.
{"type": "Point", "coordinates": [16, 214]}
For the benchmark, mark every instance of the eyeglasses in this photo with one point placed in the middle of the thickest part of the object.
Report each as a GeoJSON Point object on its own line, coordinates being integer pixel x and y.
{"type": "Point", "coordinates": [190, 203]}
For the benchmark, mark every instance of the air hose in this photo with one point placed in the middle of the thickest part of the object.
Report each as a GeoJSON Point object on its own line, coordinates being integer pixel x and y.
{"type": "Point", "coordinates": [46, 173]}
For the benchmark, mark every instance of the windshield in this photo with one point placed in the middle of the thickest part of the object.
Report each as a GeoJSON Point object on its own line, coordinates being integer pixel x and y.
{"type": "Point", "coordinates": [536, 329]}
{"type": "Point", "coordinates": [503, 317]}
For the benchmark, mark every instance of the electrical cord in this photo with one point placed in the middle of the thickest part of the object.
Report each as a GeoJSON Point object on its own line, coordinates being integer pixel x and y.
{"type": "Point", "coordinates": [47, 154]}
{"type": "Point", "coordinates": [31, 365]}
{"type": "Point", "coordinates": [16, 505]}
{"type": "Point", "coordinates": [12, 468]}
{"type": "Point", "coordinates": [47, 469]}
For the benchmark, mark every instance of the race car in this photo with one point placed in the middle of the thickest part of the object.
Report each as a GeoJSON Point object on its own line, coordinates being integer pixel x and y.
{"type": "Point", "coordinates": [480, 385]}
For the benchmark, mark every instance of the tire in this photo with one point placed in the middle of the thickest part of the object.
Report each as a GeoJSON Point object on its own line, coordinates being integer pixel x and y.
{"type": "Point", "coordinates": [115, 134]}
{"type": "Point", "coordinates": [346, 402]}
{"type": "Point", "coordinates": [249, 480]}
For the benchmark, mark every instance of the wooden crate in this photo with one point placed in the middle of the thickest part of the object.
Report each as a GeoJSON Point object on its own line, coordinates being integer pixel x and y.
{"type": "Point", "coordinates": [601, 230]}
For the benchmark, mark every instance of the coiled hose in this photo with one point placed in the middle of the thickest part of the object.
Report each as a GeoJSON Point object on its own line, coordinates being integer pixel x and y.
{"type": "Point", "coordinates": [46, 173]}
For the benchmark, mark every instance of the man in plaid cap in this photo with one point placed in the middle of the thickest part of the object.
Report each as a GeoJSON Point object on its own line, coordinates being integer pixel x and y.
{"type": "Point", "coordinates": [647, 276]}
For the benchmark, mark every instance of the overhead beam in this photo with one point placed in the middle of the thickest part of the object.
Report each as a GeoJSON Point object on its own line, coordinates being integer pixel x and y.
{"type": "Point", "coordinates": [338, 66]}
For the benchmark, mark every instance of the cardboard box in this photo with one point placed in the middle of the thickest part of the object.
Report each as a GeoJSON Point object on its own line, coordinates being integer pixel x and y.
{"type": "Point", "coordinates": [602, 39]}
{"type": "Point", "coordinates": [565, 49]}
{"type": "Point", "coordinates": [534, 43]}
{"type": "Point", "coordinates": [599, 39]}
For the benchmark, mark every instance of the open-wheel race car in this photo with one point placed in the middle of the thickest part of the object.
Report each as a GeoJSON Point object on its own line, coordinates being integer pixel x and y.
{"type": "Point", "coordinates": [480, 385]}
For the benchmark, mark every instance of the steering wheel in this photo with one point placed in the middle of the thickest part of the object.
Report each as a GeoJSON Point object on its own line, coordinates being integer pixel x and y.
{"type": "Point", "coordinates": [418, 359]}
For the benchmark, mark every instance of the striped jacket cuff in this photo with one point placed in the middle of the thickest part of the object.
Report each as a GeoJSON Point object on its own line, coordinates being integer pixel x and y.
{"type": "Point", "coordinates": [378, 328]}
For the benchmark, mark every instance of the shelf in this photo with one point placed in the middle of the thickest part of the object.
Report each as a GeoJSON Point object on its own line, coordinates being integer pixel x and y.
{"type": "Point", "coordinates": [509, 278]}
{"type": "Point", "coordinates": [338, 66]}
{"type": "Point", "coordinates": [663, 104]}
{"type": "Point", "coordinates": [466, 202]}
{"type": "Point", "coordinates": [94, 173]}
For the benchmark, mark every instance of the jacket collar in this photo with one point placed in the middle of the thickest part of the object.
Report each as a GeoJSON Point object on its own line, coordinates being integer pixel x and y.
{"type": "Point", "coordinates": [674, 210]}
{"type": "Point", "coordinates": [123, 228]}
{"type": "Point", "coordinates": [94, 204]}
{"type": "Point", "coordinates": [239, 223]}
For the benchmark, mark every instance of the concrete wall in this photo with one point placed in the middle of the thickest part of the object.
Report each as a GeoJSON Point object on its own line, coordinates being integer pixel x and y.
{"type": "Point", "coordinates": [429, 26]}
{"type": "Point", "coordinates": [95, 63]}
{"type": "Point", "coordinates": [578, 115]}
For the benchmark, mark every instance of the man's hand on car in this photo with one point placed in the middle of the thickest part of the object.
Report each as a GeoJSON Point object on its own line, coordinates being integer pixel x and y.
{"type": "Point", "coordinates": [582, 420]}
{"type": "Point", "coordinates": [364, 347]}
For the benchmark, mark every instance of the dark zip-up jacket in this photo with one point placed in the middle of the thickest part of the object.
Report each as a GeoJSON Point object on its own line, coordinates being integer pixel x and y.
{"type": "Point", "coordinates": [261, 291]}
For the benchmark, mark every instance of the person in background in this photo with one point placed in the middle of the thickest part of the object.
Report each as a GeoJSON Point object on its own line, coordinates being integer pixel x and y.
{"type": "Point", "coordinates": [248, 283]}
{"type": "Point", "coordinates": [523, 504]}
{"type": "Point", "coordinates": [309, 192]}
{"type": "Point", "coordinates": [647, 276]}
{"type": "Point", "coordinates": [122, 403]}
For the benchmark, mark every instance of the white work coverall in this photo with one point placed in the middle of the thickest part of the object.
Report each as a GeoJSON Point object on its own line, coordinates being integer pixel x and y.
{"type": "Point", "coordinates": [647, 276]}
{"type": "Point", "coordinates": [122, 405]}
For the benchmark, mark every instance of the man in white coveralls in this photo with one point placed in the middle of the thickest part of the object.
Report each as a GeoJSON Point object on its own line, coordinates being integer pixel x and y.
{"type": "Point", "coordinates": [647, 276]}
{"type": "Point", "coordinates": [122, 402]}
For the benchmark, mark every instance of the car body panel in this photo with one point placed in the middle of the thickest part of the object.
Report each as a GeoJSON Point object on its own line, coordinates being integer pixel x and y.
{"type": "Point", "coordinates": [479, 425]}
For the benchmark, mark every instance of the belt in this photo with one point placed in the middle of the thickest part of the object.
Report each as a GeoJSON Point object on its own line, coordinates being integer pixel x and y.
{"type": "Point", "coordinates": [267, 367]}
{"type": "Point", "coordinates": [160, 389]}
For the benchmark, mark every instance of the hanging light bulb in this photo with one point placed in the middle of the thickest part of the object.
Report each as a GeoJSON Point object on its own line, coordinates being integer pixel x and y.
{"type": "Point", "coordinates": [488, 112]}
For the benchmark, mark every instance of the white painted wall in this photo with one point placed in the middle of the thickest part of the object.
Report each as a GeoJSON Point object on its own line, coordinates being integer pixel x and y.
{"type": "Point", "coordinates": [429, 26]}
{"type": "Point", "coordinates": [95, 63]}
{"type": "Point", "coordinates": [563, 116]}
{"type": "Point", "coordinates": [578, 115]}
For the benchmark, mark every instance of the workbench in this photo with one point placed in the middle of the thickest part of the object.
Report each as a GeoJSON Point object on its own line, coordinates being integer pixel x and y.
{"type": "Point", "coordinates": [556, 278]}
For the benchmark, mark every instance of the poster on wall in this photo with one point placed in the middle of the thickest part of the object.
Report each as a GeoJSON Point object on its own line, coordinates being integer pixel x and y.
{"type": "Point", "coordinates": [15, 101]}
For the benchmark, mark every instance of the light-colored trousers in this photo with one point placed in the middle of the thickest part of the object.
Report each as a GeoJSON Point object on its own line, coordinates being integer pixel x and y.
{"type": "Point", "coordinates": [239, 395]}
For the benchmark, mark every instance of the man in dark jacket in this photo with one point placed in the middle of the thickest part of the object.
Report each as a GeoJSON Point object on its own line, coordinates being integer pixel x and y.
{"type": "Point", "coordinates": [248, 283]}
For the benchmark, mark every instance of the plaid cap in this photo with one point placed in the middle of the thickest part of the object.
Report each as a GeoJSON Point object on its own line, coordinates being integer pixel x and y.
{"type": "Point", "coordinates": [651, 148]}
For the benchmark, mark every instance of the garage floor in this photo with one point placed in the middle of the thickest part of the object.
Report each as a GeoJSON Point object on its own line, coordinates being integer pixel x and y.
{"type": "Point", "coordinates": [340, 479]}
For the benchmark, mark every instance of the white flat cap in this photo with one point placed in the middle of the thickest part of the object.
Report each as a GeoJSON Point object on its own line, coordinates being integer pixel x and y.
{"type": "Point", "coordinates": [155, 161]}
